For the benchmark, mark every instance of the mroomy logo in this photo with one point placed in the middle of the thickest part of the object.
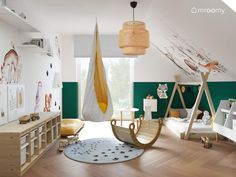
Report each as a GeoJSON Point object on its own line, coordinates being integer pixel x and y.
{"type": "Point", "coordinates": [195, 10]}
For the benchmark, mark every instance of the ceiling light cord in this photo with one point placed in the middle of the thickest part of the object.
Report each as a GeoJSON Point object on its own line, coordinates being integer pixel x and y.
{"type": "Point", "coordinates": [133, 4]}
{"type": "Point", "coordinates": [133, 14]}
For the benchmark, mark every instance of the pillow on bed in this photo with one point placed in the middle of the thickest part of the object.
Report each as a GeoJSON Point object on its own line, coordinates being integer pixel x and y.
{"type": "Point", "coordinates": [189, 112]}
{"type": "Point", "coordinates": [174, 113]}
{"type": "Point", "coordinates": [183, 113]}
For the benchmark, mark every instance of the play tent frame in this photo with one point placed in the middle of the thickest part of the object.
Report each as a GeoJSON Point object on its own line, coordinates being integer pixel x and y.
{"type": "Point", "coordinates": [203, 87]}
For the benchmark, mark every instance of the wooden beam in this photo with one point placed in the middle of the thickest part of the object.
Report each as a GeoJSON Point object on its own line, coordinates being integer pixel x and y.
{"type": "Point", "coordinates": [194, 112]}
{"type": "Point", "coordinates": [196, 105]}
{"type": "Point", "coordinates": [190, 83]}
{"type": "Point", "coordinates": [208, 95]}
{"type": "Point", "coordinates": [171, 99]}
{"type": "Point", "coordinates": [209, 99]}
{"type": "Point", "coordinates": [181, 97]}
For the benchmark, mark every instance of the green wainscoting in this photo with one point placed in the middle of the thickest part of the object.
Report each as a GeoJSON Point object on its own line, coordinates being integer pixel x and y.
{"type": "Point", "coordinates": [70, 100]}
{"type": "Point", "coordinates": [219, 91]}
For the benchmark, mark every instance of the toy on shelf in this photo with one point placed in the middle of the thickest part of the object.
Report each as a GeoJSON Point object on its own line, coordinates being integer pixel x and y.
{"type": "Point", "coordinates": [24, 119]}
{"type": "Point", "coordinates": [34, 116]}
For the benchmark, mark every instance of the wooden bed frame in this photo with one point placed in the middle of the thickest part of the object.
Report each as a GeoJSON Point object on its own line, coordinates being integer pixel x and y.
{"type": "Point", "coordinates": [203, 87]}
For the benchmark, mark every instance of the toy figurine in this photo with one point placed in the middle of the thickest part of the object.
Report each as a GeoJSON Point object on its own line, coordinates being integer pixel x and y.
{"type": "Point", "coordinates": [24, 119]}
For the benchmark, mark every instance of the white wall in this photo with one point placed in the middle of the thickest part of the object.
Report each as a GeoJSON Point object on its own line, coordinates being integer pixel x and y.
{"type": "Point", "coordinates": [68, 60]}
{"type": "Point", "coordinates": [34, 66]}
{"type": "Point", "coordinates": [212, 33]}
{"type": "Point", "coordinates": [154, 67]}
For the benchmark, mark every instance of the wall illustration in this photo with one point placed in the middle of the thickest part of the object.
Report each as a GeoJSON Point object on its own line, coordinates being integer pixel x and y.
{"type": "Point", "coordinates": [48, 100]}
{"type": "Point", "coordinates": [161, 91]}
{"type": "Point", "coordinates": [38, 98]}
{"type": "Point", "coordinates": [185, 55]}
{"type": "Point", "coordinates": [12, 102]}
{"type": "Point", "coordinates": [10, 68]}
{"type": "Point", "coordinates": [21, 97]}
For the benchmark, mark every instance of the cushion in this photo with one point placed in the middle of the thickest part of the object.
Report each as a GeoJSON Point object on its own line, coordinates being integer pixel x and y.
{"type": "Point", "coordinates": [71, 126]}
{"type": "Point", "coordinates": [103, 106]}
{"type": "Point", "coordinates": [174, 113]}
{"type": "Point", "coordinates": [189, 111]}
{"type": "Point", "coordinates": [183, 113]}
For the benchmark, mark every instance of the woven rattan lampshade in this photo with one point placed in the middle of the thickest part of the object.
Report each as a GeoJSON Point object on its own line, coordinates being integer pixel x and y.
{"type": "Point", "coordinates": [134, 38]}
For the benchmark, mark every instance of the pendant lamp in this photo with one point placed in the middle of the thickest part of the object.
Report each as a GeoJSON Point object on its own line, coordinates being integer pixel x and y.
{"type": "Point", "coordinates": [133, 38]}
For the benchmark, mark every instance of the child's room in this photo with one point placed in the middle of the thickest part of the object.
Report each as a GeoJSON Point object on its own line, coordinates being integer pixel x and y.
{"type": "Point", "coordinates": [117, 88]}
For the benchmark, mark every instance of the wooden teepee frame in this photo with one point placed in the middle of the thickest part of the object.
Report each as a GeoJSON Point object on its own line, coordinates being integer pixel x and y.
{"type": "Point", "coordinates": [203, 87]}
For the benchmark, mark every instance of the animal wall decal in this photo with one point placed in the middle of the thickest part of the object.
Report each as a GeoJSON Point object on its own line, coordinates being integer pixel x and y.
{"type": "Point", "coordinates": [48, 100]}
{"type": "Point", "coordinates": [10, 68]}
{"type": "Point", "coordinates": [161, 91]}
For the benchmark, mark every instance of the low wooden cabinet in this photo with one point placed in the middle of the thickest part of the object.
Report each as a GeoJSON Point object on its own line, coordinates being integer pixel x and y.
{"type": "Point", "coordinates": [22, 144]}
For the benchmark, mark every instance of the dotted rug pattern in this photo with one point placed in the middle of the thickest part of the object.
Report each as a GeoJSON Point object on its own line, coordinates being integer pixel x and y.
{"type": "Point", "coordinates": [102, 150]}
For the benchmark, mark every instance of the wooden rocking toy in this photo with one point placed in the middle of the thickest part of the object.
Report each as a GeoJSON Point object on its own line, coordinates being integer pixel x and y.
{"type": "Point", "coordinates": [146, 135]}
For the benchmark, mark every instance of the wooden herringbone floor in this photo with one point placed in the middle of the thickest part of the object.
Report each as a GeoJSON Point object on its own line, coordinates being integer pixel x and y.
{"type": "Point", "coordinates": [169, 157]}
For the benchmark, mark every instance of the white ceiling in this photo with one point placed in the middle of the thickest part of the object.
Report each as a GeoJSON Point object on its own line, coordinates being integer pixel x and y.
{"type": "Point", "coordinates": [79, 16]}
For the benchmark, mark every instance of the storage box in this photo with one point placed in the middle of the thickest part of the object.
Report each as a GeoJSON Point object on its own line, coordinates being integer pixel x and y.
{"type": "Point", "coordinates": [32, 134]}
{"type": "Point", "coordinates": [32, 147]}
{"type": "Point", "coordinates": [23, 140]}
{"type": "Point", "coordinates": [40, 141]}
{"type": "Point", "coordinates": [23, 153]}
{"type": "Point", "coordinates": [23, 156]}
{"type": "Point", "coordinates": [41, 129]}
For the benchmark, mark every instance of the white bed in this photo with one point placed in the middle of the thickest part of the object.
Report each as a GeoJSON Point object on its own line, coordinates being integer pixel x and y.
{"type": "Point", "coordinates": [179, 126]}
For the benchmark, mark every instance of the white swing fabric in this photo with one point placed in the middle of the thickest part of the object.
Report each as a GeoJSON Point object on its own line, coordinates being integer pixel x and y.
{"type": "Point", "coordinates": [97, 105]}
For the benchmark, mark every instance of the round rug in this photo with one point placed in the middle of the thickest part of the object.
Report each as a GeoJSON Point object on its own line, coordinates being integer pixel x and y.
{"type": "Point", "coordinates": [102, 150]}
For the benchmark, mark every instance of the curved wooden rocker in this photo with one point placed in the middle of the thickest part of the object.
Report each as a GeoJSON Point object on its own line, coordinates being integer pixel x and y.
{"type": "Point", "coordinates": [146, 135]}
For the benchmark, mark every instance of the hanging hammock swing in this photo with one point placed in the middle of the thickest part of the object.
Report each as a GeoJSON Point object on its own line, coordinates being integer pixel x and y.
{"type": "Point", "coordinates": [98, 106]}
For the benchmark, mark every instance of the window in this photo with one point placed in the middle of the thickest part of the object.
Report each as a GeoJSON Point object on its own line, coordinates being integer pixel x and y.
{"type": "Point", "coordinates": [119, 74]}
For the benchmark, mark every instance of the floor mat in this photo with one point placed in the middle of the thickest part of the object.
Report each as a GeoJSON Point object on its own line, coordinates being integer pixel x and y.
{"type": "Point", "coordinates": [102, 150]}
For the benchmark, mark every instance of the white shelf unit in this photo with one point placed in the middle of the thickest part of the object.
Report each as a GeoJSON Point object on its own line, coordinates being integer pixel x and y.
{"type": "Point", "coordinates": [13, 19]}
{"type": "Point", "coordinates": [33, 49]}
{"type": "Point", "coordinates": [223, 122]}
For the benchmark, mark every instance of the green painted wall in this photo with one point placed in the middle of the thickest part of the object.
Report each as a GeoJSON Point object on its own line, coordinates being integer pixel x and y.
{"type": "Point", "coordinates": [219, 91]}
{"type": "Point", "coordinates": [70, 101]}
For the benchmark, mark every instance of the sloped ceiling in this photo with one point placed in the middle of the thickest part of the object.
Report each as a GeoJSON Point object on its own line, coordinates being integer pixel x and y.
{"type": "Point", "coordinates": [79, 16]}
{"type": "Point", "coordinates": [177, 34]}
{"type": "Point", "coordinates": [191, 39]}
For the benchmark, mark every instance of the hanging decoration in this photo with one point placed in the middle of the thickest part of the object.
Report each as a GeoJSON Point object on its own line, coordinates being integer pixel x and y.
{"type": "Point", "coordinates": [97, 100]}
{"type": "Point", "coordinates": [133, 38]}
